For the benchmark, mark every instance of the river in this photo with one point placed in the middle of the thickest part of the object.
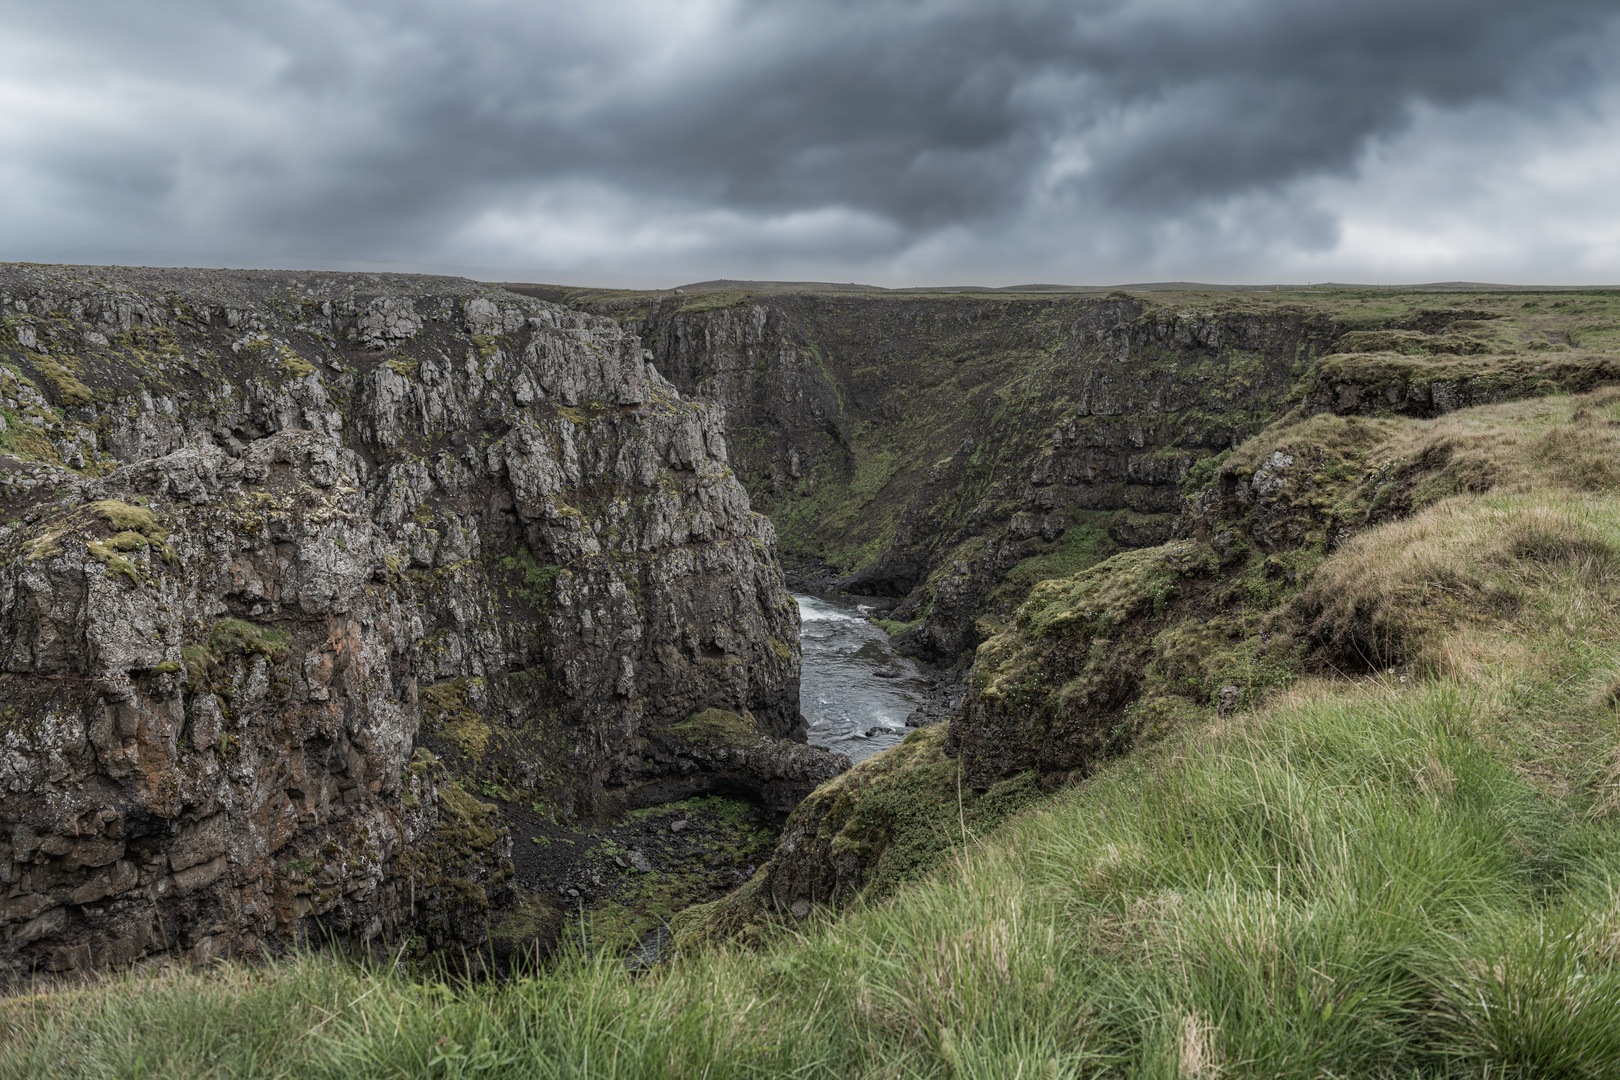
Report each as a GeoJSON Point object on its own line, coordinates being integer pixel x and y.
{"type": "Point", "coordinates": [854, 690]}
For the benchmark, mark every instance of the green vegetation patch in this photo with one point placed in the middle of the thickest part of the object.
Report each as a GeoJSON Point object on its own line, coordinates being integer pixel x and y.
{"type": "Point", "coordinates": [1094, 601]}
{"type": "Point", "coordinates": [573, 414]}
{"type": "Point", "coordinates": [1084, 544]}
{"type": "Point", "coordinates": [447, 712]}
{"type": "Point", "coordinates": [722, 835]}
{"type": "Point", "coordinates": [480, 817]}
{"type": "Point", "coordinates": [44, 546]}
{"type": "Point", "coordinates": [127, 518]}
{"type": "Point", "coordinates": [617, 926]}
{"type": "Point", "coordinates": [893, 811]}
{"type": "Point", "coordinates": [108, 555]}
{"type": "Point", "coordinates": [714, 301]}
{"type": "Point", "coordinates": [535, 918]}
{"type": "Point", "coordinates": [1413, 343]}
{"type": "Point", "coordinates": [1194, 659]}
{"type": "Point", "coordinates": [238, 636]}
{"type": "Point", "coordinates": [718, 726]}
{"type": "Point", "coordinates": [520, 577]}
{"type": "Point", "coordinates": [25, 442]}
{"type": "Point", "coordinates": [128, 540]}
{"type": "Point", "coordinates": [148, 343]}
{"type": "Point", "coordinates": [460, 863]}
{"type": "Point", "coordinates": [67, 385]}
{"type": "Point", "coordinates": [296, 366]}
{"type": "Point", "coordinates": [1389, 380]}
{"type": "Point", "coordinates": [208, 662]}
{"type": "Point", "coordinates": [137, 528]}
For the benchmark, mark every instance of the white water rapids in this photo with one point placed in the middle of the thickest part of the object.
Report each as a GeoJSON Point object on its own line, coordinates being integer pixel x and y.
{"type": "Point", "coordinates": [852, 683]}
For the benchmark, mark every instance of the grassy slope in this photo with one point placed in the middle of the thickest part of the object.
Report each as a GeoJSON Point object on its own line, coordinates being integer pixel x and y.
{"type": "Point", "coordinates": [1358, 880]}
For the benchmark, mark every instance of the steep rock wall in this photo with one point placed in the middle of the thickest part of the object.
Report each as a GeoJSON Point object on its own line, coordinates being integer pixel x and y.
{"type": "Point", "coordinates": [953, 450]}
{"type": "Point", "coordinates": [283, 554]}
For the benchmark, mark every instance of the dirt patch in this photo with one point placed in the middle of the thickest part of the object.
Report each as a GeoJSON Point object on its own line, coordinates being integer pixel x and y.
{"type": "Point", "coordinates": [1432, 321]}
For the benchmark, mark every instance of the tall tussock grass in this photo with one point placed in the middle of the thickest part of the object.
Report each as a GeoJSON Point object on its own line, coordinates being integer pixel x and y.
{"type": "Point", "coordinates": [1318, 883]}
{"type": "Point", "coordinates": [1394, 595]}
{"type": "Point", "coordinates": [1405, 874]}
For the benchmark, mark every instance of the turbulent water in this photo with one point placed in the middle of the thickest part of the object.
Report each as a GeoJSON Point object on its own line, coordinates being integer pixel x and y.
{"type": "Point", "coordinates": [855, 691]}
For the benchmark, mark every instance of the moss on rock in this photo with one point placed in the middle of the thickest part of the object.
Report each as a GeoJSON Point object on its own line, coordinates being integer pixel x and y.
{"type": "Point", "coordinates": [447, 713]}
{"type": "Point", "coordinates": [718, 726]}
{"type": "Point", "coordinates": [891, 819]}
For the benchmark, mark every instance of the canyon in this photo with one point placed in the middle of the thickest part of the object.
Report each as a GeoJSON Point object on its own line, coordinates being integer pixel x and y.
{"type": "Point", "coordinates": [318, 591]}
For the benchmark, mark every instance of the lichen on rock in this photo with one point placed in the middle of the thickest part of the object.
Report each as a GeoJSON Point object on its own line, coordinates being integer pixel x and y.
{"type": "Point", "coordinates": [346, 550]}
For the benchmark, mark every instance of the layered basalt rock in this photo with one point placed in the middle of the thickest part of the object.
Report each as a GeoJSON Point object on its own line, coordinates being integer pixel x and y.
{"type": "Point", "coordinates": [205, 743]}
{"type": "Point", "coordinates": [1381, 381]}
{"type": "Point", "coordinates": [293, 563]}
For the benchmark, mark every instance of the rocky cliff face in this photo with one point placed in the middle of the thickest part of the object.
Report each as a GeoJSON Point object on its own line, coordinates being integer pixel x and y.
{"type": "Point", "coordinates": [285, 554]}
{"type": "Point", "coordinates": [953, 450]}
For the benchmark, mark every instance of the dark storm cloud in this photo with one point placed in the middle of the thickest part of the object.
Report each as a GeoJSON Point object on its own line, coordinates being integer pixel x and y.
{"type": "Point", "coordinates": [374, 128]}
{"type": "Point", "coordinates": [930, 112]}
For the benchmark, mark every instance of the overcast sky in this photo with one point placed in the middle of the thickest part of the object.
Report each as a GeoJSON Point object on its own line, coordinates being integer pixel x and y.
{"type": "Point", "coordinates": [654, 142]}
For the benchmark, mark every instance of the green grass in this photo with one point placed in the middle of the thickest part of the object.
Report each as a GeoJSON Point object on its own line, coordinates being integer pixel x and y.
{"type": "Point", "coordinates": [718, 727]}
{"type": "Point", "coordinates": [894, 626]}
{"type": "Point", "coordinates": [68, 387]}
{"type": "Point", "coordinates": [232, 635]}
{"type": "Point", "coordinates": [446, 712]}
{"type": "Point", "coordinates": [715, 301]}
{"type": "Point", "coordinates": [731, 811]}
{"type": "Point", "coordinates": [25, 442]}
{"type": "Point", "coordinates": [1084, 544]}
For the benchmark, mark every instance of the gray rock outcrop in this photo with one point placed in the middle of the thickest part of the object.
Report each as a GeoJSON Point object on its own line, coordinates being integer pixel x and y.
{"type": "Point", "coordinates": [293, 563]}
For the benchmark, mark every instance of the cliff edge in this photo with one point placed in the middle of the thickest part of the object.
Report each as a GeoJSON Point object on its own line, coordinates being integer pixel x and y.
{"type": "Point", "coordinates": [293, 564]}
